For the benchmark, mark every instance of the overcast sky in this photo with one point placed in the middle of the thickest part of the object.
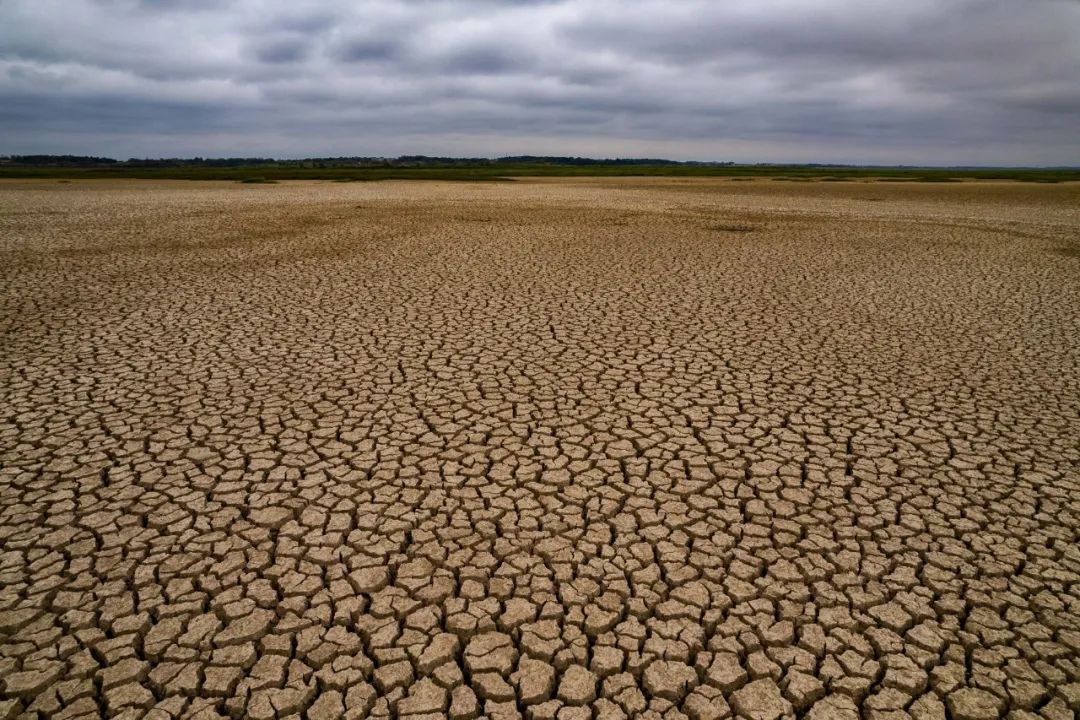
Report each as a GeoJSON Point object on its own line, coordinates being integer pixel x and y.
{"type": "Point", "coordinates": [889, 81]}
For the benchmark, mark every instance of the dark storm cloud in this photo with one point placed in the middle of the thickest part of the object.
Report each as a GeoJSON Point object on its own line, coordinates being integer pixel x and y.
{"type": "Point", "coordinates": [943, 81]}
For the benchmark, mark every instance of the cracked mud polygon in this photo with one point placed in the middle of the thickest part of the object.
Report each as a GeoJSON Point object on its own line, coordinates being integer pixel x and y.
{"type": "Point", "coordinates": [543, 449]}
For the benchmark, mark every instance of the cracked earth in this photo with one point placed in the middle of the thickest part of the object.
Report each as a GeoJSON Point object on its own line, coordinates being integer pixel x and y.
{"type": "Point", "coordinates": [543, 449]}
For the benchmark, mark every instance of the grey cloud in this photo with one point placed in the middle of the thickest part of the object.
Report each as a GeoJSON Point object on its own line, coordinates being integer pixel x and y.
{"type": "Point", "coordinates": [965, 81]}
{"type": "Point", "coordinates": [481, 60]}
{"type": "Point", "coordinates": [300, 23]}
{"type": "Point", "coordinates": [368, 49]}
{"type": "Point", "coordinates": [282, 51]}
{"type": "Point", "coordinates": [78, 116]}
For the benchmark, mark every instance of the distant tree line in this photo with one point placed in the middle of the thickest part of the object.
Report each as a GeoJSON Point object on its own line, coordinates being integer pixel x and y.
{"type": "Point", "coordinates": [402, 161]}
{"type": "Point", "coordinates": [56, 160]}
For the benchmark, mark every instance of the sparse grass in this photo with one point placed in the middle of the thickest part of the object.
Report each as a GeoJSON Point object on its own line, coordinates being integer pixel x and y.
{"type": "Point", "coordinates": [258, 181]}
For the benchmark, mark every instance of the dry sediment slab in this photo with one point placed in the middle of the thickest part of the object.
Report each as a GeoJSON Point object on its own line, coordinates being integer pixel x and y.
{"type": "Point", "coordinates": [657, 448]}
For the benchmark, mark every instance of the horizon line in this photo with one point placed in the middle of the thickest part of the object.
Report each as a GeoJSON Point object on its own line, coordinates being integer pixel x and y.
{"type": "Point", "coordinates": [525, 158]}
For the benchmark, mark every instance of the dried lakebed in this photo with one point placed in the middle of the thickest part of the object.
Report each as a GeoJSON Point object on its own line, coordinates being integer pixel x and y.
{"type": "Point", "coordinates": [545, 449]}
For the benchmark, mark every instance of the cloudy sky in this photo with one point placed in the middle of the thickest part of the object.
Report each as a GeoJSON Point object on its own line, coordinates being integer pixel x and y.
{"type": "Point", "coordinates": [872, 81]}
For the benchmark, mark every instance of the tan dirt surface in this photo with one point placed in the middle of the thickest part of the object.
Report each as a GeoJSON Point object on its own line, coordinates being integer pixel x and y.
{"type": "Point", "coordinates": [544, 449]}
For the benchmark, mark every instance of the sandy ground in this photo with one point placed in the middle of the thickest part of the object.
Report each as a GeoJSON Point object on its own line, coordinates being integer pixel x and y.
{"type": "Point", "coordinates": [553, 449]}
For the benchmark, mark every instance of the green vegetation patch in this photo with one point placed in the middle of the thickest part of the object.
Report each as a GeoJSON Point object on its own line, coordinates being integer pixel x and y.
{"type": "Point", "coordinates": [256, 170]}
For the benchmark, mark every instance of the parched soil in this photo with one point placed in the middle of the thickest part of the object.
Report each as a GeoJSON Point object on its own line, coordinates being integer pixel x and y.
{"type": "Point", "coordinates": [545, 449]}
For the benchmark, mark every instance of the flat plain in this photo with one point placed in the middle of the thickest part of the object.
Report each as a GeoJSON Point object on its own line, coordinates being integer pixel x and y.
{"type": "Point", "coordinates": [550, 448]}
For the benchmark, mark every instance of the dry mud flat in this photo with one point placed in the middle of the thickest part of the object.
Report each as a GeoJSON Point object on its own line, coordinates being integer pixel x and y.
{"type": "Point", "coordinates": [591, 449]}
